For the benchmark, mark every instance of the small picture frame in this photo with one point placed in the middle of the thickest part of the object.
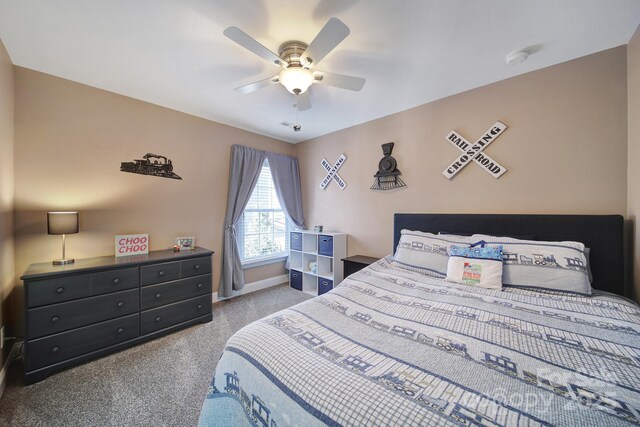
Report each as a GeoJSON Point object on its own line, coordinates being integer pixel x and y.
{"type": "Point", "coordinates": [187, 243]}
{"type": "Point", "coordinates": [317, 228]}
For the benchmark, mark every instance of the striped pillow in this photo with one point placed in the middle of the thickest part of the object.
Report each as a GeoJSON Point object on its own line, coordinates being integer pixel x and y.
{"type": "Point", "coordinates": [560, 266]}
{"type": "Point", "coordinates": [426, 253]}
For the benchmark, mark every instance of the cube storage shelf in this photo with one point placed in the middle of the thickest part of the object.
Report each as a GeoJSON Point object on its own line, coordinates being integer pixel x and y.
{"type": "Point", "coordinates": [327, 249]}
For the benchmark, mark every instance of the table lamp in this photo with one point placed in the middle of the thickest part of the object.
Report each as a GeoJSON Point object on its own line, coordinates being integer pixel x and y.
{"type": "Point", "coordinates": [62, 223]}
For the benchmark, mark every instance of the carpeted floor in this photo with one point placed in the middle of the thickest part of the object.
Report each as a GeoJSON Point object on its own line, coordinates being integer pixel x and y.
{"type": "Point", "coordinates": [160, 383]}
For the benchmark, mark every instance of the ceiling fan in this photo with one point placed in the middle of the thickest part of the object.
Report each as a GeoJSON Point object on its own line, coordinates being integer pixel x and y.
{"type": "Point", "coordinates": [297, 61]}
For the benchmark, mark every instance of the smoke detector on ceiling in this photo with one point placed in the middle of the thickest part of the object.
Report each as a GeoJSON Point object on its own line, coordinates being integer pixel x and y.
{"type": "Point", "coordinates": [516, 58]}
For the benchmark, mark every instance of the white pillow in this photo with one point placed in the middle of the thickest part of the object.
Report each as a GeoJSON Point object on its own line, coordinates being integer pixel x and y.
{"type": "Point", "coordinates": [560, 266]}
{"type": "Point", "coordinates": [477, 266]}
{"type": "Point", "coordinates": [426, 252]}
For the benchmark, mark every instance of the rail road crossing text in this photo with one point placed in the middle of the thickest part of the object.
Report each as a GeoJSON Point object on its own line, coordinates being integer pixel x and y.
{"type": "Point", "coordinates": [475, 152]}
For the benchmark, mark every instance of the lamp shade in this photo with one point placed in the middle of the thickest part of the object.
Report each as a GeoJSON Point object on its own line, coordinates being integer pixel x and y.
{"type": "Point", "coordinates": [62, 222]}
{"type": "Point", "coordinates": [296, 79]}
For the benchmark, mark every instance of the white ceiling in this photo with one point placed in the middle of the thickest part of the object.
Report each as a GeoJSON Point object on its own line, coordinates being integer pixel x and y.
{"type": "Point", "coordinates": [173, 53]}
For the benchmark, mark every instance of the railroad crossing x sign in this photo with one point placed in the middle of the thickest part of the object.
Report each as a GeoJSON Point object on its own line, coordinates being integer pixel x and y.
{"type": "Point", "coordinates": [332, 172]}
{"type": "Point", "coordinates": [475, 152]}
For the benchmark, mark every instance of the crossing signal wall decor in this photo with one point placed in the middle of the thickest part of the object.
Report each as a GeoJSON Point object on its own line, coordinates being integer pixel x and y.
{"type": "Point", "coordinates": [332, 172]}
{"type": "Point", "coordinates": [475, 152]}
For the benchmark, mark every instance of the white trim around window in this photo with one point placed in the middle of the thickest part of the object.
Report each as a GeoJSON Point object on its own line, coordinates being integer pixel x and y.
{"type": "Point", "coordinates": [258, 262]}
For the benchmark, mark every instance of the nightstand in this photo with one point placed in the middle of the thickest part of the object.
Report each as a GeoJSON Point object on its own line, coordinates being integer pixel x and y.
{"type": "Point", "coordinates": [356, 263]}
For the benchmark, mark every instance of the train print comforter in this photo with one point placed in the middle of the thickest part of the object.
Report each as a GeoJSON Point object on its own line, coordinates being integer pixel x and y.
{"type": "Point", "coordinates": [393, 347]}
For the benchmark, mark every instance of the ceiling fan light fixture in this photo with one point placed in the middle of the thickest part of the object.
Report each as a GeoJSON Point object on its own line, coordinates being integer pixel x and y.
{"type": "Point", "coordinates": [296, 79]}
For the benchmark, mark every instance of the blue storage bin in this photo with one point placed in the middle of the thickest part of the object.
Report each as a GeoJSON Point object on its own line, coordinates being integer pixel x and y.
{"type": "Point", "coordinates": [324, 285]}
{"type": "Point", "coordinates": [295, 279]}
{"type": "Point", "coordinates": [296, 241]}
{"type": "Point", "coordinates": [325, 245]}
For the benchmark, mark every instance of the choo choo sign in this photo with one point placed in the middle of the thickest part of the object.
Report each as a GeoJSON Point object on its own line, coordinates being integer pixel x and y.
{"type": "Point", "coordinates": [132, 244]}
{"type": "Point", "coordinates": [474, 152]}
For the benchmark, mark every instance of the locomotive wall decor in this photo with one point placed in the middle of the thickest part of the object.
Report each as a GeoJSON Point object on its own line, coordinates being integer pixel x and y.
{"type": "Point", "coordinates": [388, 175]}
{"type": "Point", "coordinates": [474, 152]}
{"type": "Point", "coordinates": [151, 164]}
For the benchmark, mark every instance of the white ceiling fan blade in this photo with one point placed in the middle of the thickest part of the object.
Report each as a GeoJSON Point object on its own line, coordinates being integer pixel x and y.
{"type": "Point", "coordinates": [338, 80]}
{"type": "Point", "coordinates": [248, 42]}
{"type": "Point", "coordinates": [327, 39]}
{"type": "Point", "coordinates": [303, 101]}
{"type": "Point", "coordinates": [252, 87]}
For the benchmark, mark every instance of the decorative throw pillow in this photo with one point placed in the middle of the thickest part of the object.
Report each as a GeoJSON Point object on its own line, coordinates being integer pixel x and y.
{"type": "Point", "coordinates": [560, 266]}
{"type": "Point", "coordinates": [426, 253]}
{"type": "Point", "coordinates": [477, 265]}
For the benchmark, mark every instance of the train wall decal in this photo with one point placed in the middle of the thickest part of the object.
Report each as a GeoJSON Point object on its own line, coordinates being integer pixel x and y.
{"type": "Point", "coordinates": [151, 164]}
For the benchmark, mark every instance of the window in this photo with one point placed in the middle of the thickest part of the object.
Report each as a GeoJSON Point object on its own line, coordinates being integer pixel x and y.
{"type": "Point", "coordinates": [263, 228]}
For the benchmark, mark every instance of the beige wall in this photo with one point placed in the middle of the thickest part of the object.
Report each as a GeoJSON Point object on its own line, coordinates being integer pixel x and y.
{"type": "Point", "coordinates": [70, 140]}
{"type": "Point", "coordinates": [7, 271]}
{"type": "Point", "coordinates": [633, 84]}
{"type": "Point", "coordinates": [566, 151]}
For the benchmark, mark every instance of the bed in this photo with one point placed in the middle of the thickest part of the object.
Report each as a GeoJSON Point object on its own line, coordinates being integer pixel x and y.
{"type": "Point", "coordinates": [390, 346]}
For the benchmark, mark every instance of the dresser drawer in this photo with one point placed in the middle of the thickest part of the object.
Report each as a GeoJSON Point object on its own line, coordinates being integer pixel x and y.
{"type": "Point", "coordinates": [158, 273]}
{"type": "Point", "coordinates": [68, 315]}
{"type": "Point", "coordinates": [59, 347]}
{"type": "Point", "coordinates": [169, 315]}
{"type": "Point", "coordinates": [165, 293]}
{"type": "Point", "coordinates": [114, 280]}
{"type": "Point", "coordinates": [49, 291]}
{"type": "Point", "coordinates": [194, 267]}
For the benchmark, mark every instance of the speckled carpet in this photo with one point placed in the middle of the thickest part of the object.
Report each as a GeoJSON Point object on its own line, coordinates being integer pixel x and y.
{"type": "Point", "coordinates": [160, 383]}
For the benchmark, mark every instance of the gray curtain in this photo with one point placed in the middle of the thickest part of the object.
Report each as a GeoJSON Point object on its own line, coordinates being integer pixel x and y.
{"type": "Point", "coordinates": [286, 179]}
{"type": "Point", "coordinates": [244, 171]}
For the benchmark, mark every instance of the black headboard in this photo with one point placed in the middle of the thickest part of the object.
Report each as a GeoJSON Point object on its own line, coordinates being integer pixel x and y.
{"type": "Point", "coordinates": [601, 233]}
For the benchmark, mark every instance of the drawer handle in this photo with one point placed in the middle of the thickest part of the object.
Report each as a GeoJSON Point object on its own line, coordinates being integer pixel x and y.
{"type": "Point", "coordinates": [325, 240]}
{"type": "Point", "coordinates": [54, 319]}
{"type": "Point", "coordinates": [161, 273]}
{"type": "Point", "coordinates": [296, 237]}
{"type": "Point", "coordinates": [55, 349]}
{"type": "Point", "coordinates": [200, 285]}
{"type": "Point", "coordinates": [60, 290]}
{"type": "Point", "coordinates": [116, 281]}
{"type": "Point", "coordinates": [158, 319]}
{"type": "Point", "coordinates": [199, 306]}
{"type": "Point", "coordinates": [120, 304]}
{"type": "Point", "coordinates": [158, 295]}
{"type": "Point", "coordinates": [196, 267]}
{"type": "Point", "coordinates": [120, 330]}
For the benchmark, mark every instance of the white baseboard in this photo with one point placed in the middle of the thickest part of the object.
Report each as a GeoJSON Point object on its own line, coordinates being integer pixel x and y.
{"type": "Point", "coordinates": [5, 368]}
{"type": "Point", "coordinates": [255, 286]}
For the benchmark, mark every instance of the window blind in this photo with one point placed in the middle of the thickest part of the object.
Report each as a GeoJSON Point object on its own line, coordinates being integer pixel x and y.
{"type": "Point", "coordinates": [263, 228]}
